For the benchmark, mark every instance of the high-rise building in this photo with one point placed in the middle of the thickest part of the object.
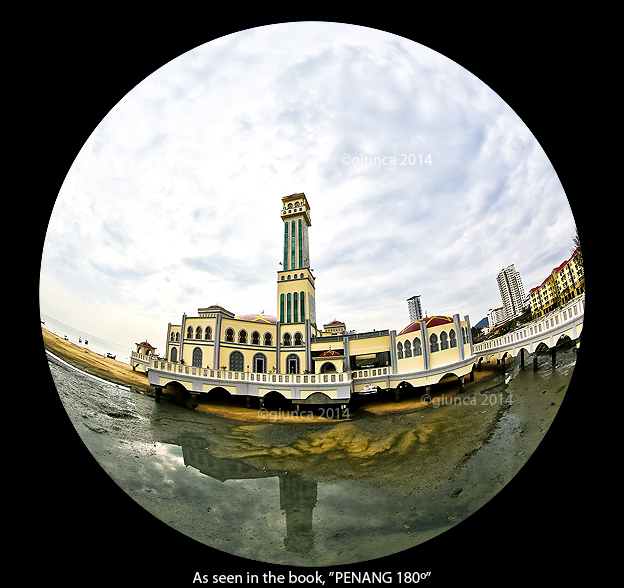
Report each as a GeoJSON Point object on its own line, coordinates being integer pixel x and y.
{"type": "Point", "coordinates": [511, 291]}
{"type": "Point", "coordinates": [495, 316]}
{"type": "Point", "coordinates": [564, 283]}
{"type": "Point", "coordinates": [414, 308]}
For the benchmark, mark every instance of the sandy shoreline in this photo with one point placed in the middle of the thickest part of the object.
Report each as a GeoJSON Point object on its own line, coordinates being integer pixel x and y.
{"type": "Point", "coordinates": [122, 373]}
{"type": "Point", "coordinates": [94, 363]}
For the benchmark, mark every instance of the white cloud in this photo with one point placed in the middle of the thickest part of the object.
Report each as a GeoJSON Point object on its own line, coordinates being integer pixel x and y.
{"type": "Point", "coordinates": [173, 202]}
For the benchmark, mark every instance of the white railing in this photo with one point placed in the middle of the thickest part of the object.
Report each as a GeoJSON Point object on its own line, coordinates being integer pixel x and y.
{"type": "Point", "coordinates": [189, 370]}
{"type": "Point", "coordinates": [371, 372]}
{"type": "Point", "coordinates": [558, 320]}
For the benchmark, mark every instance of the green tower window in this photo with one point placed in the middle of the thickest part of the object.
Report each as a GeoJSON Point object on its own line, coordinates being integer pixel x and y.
{"type": "Point", "coordinates": [292, 244]}
{"type": "Point", "coordinates": [296, 307]}
{"type": "Point", "coordinates": [288, 308]}
{"type": "Point", "coordinates": [300, 229]}
{"type": "Point", "coordinates": [281, 309]}
{"type": "Point", "coordinates": [286, 245]}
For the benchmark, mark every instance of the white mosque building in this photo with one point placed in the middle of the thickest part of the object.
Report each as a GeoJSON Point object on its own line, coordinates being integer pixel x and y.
{"type": "Point", "coordinates": [287, 354]}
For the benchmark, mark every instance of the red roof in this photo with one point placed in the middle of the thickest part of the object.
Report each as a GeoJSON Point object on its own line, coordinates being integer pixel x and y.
{"type": "Point", "coordinates": [146, 344]}
{"type": "Point", "coordinates": [330, 353]}
{"type": "Point", "coordinates": [432, 321]}
{"type": "Point", "coordinates": [555, 270]}
{"type": "Point", "coordinates": [259, 318]}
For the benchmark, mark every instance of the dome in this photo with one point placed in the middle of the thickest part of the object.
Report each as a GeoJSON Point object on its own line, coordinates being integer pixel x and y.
{"type": "Point", "coordinates": [145, 344]}
{"type": "Point", "coordinates": [432, 321]}
{"type": "Point", "coordinates": [267, 319]}
{"type": "Point", "coordinates": [331, 353]}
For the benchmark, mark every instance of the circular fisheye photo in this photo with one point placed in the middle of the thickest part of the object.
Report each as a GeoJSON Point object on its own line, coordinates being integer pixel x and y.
{"type": "Point", "coordinates": [311, 295]}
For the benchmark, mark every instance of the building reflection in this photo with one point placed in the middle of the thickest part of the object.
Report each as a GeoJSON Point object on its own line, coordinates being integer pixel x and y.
{"type": "Point", "coordinates": [298, 495]}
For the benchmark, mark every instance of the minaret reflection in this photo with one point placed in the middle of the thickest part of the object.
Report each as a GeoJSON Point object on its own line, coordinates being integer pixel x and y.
{"type": "Point", "coordinates": [297, 498]}
{"type": "Point", "coordinates": [298, 495]}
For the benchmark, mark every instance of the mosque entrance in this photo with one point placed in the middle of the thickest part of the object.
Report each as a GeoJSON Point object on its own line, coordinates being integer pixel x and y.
{"type": "Point", "coordinates": [292, 364]}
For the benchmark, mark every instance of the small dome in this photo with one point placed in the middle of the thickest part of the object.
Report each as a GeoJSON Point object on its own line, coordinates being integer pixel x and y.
{"type": "Point", "coordinates": [432, 321]}
{"type": "Point", "coordinates": [267, 319]}
{"type": "Point", "coordinates": [146, 344]}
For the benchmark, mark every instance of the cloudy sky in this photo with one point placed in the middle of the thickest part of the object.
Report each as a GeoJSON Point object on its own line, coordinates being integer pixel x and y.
{"type": "Point", "coordinates": [173, 203]}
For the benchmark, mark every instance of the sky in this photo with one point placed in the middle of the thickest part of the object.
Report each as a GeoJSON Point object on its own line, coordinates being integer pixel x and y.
{"type": "Point", "coordinates": [173, 203]}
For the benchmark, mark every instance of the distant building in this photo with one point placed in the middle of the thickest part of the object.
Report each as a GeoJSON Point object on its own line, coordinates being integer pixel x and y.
{"type": "Point", "coordinates": [414, 308]}
{"type": "Point", "coordinates": [495, 316]}
{"type": "Point", "coordinates": [564, 283]}
{"type": "Point", "coordinates": [335, 328]}
{"type": "Point", "coordinates": [511, 291]}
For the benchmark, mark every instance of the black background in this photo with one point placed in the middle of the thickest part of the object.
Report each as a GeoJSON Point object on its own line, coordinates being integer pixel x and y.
{"type": "Point", "coordinates": [535, 530]}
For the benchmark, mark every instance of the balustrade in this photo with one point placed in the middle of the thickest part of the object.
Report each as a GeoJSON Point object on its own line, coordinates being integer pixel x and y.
{"type": "Point", "coordinates": [167, 366]}
{"type": "Point", "coordinates": [561, 316]}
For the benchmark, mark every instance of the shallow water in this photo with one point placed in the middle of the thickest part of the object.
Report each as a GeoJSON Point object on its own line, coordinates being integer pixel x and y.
{"type": "Point", "coordinates": [317, 495]}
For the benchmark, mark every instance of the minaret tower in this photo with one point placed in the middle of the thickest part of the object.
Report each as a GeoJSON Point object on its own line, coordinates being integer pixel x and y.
{"type": "Point", "coordinates": [295, 282]}
{"type": "Point", "coordinates": [296, 307]}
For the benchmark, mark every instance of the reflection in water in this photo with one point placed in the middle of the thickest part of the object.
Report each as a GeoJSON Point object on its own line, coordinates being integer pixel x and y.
{"type": "Point", "coordinates": [348, 491]}
{"type": "Point", "coordinates": [297, 495]}
{"type": "Point", "coordinates": [297, 498]}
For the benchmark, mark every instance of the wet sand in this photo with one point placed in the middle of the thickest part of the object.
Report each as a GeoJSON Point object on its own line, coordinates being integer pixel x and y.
{"type": "Point", "coordinates": [94, 363]}
{"type": "Point", "coordinates": [416, 471]}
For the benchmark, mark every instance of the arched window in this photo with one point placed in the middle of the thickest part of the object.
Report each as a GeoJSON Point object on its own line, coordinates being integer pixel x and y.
{"type": "Point", "coordinates": [302, 303]}
{"type": "Point", "coordinates": [260, 363]}
{"type": "Point", "coordinates": [400, 350]}
{"type": "Point", "coordinates": [255, 338]}
{"type": "Point", "coordinates": [287, 339]}
{"type": "Point", "coordinates": [189, 332]}
{"type": "Point", "coordinates": [229, 335]}
{"type": "Point", "coordinates": [282, 306]}
{"type": "Point", "coordinates": [433, 343]}
{"type": "Point", "coordinates": [197, 357]}
{"type": "Point", "coordinates": [408, 349]}
{"type": "Point", "coordinates": [453, 338]}
{"type": "Point", "coordinates": [328, 367]}
{"type": "Point", "coordinates": [292, 364]}
{"type": "Point", "coordinates": [298, 339]}
{"type": "Point", "coordinates": [198, 333]}
{"type": "Point", "coordinates": [242, 336]}
{"type": "Point", "coordinates": [417, 347]}
{"type": "Point", "coordinates": [444, 344]}
{"type": "Point", "coordinates": [173, 336]}
{"type": "Point", "coordinates": [236, 361]}
{"type": "Point", "coordinates": [208, 334]}
{"type": "Point", "coordinates": [174, 354]}
{"type": "Point", "coordinates": [288, 308]}
{"type": "Point", "coordinates": [268, 339]}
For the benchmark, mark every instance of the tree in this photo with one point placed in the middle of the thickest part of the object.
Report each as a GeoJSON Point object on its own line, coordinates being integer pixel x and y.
{"type": "Point", "coordinates": [579, 255]}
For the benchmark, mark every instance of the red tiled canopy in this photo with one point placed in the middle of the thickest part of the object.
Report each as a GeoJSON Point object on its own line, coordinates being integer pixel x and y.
{"type": "Point", "coordinates": [431, 321]}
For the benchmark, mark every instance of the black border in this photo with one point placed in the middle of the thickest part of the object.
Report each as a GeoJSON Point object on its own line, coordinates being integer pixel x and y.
{"type": "Point", "coordinates": [91, 530]}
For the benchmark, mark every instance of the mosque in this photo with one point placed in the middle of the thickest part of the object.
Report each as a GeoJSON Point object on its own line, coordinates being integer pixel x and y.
{"type": "Point", "coordinates": [288, 354]}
